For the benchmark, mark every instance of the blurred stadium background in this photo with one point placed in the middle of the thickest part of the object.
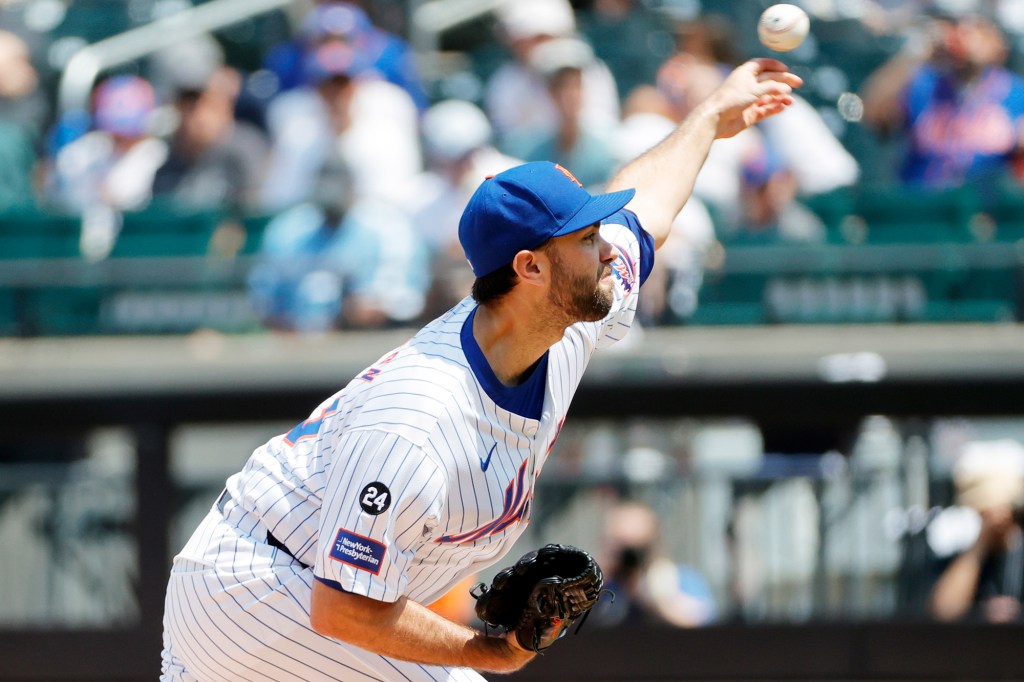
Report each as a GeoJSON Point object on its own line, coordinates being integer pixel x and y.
{"type": "Point", "coordinates": [794, 416]}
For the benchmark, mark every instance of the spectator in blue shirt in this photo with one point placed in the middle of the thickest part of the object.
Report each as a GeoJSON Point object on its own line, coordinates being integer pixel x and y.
{"type": "Point", "coordinates": [386, 53]}
{"type": "Point", "coordinates": [339, 261]}
{"type": "Point", "coordinates": [961, 109]}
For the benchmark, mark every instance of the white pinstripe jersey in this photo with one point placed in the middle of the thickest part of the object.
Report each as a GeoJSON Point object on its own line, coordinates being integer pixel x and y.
{"type": "Point", "coordinates": [414, 476]}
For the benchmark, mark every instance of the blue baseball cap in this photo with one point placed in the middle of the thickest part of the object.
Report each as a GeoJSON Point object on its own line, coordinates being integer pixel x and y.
{"type": "Point", "coordinates": [334, 20]}
{"type": "Point", "coordinates": [333, 58]}
{"type": "Point", "coordinates": [123, 104]}
{"type": "Point", "coordinates": [525, 206]}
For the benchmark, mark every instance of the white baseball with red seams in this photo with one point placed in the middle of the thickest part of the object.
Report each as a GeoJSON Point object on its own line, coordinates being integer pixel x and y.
{"type": "Point", "coordinates": [783, 27]}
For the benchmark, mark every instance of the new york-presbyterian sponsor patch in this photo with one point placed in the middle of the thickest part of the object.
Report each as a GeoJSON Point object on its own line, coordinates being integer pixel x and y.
{"type": "Point", "coordinates": [359, 551]}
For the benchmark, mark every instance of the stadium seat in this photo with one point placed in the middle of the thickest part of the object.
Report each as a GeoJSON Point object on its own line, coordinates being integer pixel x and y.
{"type": "Point", "coordinates": [254, 226]}
{"type": "Point", "coordinates": [734, 287]}
{"type": "Point", "coordinates": [731, 298]}
{"type": "Point", "coordinates": [728, 313]}
{"type": "Point", "coordinates": [993, 294]}
{"type": "Point", "coordinates": [969, 311]}
{"type": "Point", "coordinates": [30, 232]}
{"type": "Point", "coordinates": [899, 215]}
{"type": "Point", "coordinates": [64, 310]}
{"type": "Point", "coordinates": [832, 208]}
{"type": "Point", "coordinates": [94, 20]}
{"type": "Point", "coordinates": [10, 321]}
{"type": "Point", "coordinates": [1005, 209]}
{"type": "Point", "coordinates": [162, 230]}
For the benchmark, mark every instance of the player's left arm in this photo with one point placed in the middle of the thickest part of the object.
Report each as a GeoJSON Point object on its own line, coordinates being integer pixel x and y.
{"type": "Point", "coordinates": [664, 176]}
{"type": "Point", "coordinates": [407, 630]}
{"type": "Point", "coordinates": [382, 497]}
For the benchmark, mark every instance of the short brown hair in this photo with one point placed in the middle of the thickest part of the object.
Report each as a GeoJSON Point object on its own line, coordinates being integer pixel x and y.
{"type": "Point", "coordinates": [494, 285]}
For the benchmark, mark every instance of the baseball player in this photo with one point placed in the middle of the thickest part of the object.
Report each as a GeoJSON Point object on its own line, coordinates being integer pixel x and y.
{"type": "Point", "coordinates": [318, 559]}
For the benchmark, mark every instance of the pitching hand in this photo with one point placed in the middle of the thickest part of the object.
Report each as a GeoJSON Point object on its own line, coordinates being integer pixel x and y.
{"type": "Point", "coordinates": [753, 91]}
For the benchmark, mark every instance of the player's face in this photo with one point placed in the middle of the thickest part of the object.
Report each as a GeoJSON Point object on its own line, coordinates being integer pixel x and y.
{"type": "Point", "coordinates": [581, 279]}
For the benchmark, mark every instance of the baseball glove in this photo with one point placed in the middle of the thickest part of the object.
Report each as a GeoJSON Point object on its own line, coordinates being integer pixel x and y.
{"type": "Point", "coordinates": [541, 595]}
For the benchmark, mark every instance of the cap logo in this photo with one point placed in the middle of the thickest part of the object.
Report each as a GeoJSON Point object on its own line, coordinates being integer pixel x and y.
{"type": "Point", "coordinates": [566, 173]}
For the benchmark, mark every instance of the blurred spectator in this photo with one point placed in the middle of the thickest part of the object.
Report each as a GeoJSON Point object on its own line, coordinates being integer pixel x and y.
{"type": "Point", "coordinates": [683, 81]}
{"type": "Point", "coordinates": [986, 581]}
{"type": "Point", "coordinates": [339, 260]}
{"type": "Point", "coordinates": [22, 100]}
{"type": "Point", "coordinates": [949, 92]}
{"type": "Point", "coordinates": [574, 144]}
{"type": "Point", "coordinates": [810, 150]}
{"type": "Point", "coordinates": [648, 586]}
{"type": "Point", "coordinates": [214, 160]}
{"type": "Point", "coordinates": [386, 53]}
{"type": "Point", "coordinates": [185, 65]}
{"type": "Point", "coordinates": [803, 141]}
{"type": "Point", "coordinates": [516, 96]}
{"type": "Point", "coordinates": [630, 37]}
{"type": "Point", "coordinates": [111, 168]}
{"type": "Point", "coordinates": [373, 124]}
{"type": "Point", "coordinates": [113, 164]}
{"type": "Point", "coordinates": [22, 112]}
{"type": "Point", "coordinates": [892, 17]}
{"type": "Point", "coordinates": [457, 144]}
{"type": "Point", "coordinates": [771, 212]}
{"type": "Point", "coordinates": [710, 38]}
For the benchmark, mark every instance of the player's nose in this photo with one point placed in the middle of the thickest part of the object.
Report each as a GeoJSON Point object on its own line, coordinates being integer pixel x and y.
{"type": "Point", "coordinates": [607, 252]}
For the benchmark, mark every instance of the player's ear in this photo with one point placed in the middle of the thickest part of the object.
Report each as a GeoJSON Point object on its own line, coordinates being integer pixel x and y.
{"type": "Point", "coordinates": [532, 267]}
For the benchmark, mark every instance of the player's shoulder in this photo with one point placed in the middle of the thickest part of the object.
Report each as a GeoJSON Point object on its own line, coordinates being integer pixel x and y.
{"type": "Point", "coordinates": [413, 386]}
{"type": "Point", "coordinates": [634, 248]}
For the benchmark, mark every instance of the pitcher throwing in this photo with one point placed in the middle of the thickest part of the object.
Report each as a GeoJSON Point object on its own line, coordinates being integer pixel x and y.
{"type": "Point", "coordinates": [317, 561]}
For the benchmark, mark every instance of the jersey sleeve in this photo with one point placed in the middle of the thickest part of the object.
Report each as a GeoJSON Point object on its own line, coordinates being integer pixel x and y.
{"type": "Point", "coordinates": [634, 249]}
{"type": "Point", "coordinates": [645, 255]}
{"type": "Point", "coordinates": [382, 498]}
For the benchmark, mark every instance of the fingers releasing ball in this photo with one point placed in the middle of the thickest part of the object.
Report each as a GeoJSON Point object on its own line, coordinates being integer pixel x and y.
{"type": "Point", "coordinates": [783, 27]}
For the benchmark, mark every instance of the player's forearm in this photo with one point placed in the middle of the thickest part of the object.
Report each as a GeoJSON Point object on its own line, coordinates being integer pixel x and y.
{"type": "Point", "coordinates": [954, 592]}
{"type": "Point", "coordinates": [409, 631]}
{"type": "Point", "coordinates": [884, 89]}
{"type": "Point", "coordinates": [665, 175]}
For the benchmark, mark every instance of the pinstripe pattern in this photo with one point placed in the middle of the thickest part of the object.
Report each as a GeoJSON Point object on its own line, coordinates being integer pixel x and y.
{"type": "Point", "coordinates": [418, 422]}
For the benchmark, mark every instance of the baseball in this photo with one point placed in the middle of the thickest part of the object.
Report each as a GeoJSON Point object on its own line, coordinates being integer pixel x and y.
{"type": "Point", "coordinates": [783, 27]}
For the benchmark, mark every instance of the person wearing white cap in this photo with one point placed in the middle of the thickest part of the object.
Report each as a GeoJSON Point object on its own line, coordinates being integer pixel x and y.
{"type": "Point", "coordinates": [459, 152]}
{"type": "Point", "coordinates": [516, 96]}
{"type": "Point", "coordinates": [987, 579]}
{"type": "Point", "coordinates": [574, 143]}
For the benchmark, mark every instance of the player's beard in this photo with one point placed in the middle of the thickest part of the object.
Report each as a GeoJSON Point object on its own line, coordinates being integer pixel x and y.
{"type": "Point", "coordinates": [580, 297]}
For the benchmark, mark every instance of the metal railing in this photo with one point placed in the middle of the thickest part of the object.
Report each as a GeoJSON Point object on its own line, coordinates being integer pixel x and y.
{"type": "Point", "coordinates": [88, 63]}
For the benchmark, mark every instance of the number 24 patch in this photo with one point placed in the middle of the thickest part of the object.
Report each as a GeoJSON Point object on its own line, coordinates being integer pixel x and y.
{"type": "Point", "coordinates": [375, 498]}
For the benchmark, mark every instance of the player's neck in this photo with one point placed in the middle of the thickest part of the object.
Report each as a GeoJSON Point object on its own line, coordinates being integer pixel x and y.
{"type": "Point", "coordinates": [512, 340]}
